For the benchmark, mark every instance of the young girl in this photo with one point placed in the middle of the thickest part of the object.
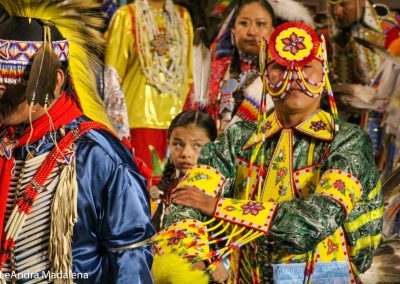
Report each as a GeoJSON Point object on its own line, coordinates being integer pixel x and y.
{"type": "Point", "coordinates": [188, 133]}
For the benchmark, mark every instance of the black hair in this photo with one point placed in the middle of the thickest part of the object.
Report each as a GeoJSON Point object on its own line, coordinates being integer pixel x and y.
{"type": "Point", "coordinates": [197, 118]}
{"type": "Point", "coordinates": [26, 29]}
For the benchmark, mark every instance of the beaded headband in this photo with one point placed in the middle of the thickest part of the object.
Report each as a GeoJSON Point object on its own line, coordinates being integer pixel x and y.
{"type": "Point", "coordinates": [17, 56]}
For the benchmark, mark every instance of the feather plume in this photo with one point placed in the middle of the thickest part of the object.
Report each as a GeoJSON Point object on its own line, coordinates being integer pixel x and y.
{"type": "Point", "coordinates": [292, 11]}
{"type": "Point", "coordinates": [78, 22]}
{"type": "Point", "coordinates": [357, 98]}
{"type": "Point", "coordinates": [43, 75]}
{"type": "Point", "coordinates": [201, 66]}
{"type": "Point", "coordinates": [377, 49]}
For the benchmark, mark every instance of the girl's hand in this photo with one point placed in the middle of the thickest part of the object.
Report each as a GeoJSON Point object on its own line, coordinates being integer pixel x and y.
{"type": "Point", "coordinates": [200, 265]}
{"type": "Point", "coordinates": [195, 198]}
{"type": "Point", "coordinates": [220, 275]}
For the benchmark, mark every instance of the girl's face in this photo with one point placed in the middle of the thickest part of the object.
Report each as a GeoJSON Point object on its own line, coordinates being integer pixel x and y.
{"type": "Point", "coordinates": [253, 23]}
{"type": "Point", "coordinates": [185, 144]}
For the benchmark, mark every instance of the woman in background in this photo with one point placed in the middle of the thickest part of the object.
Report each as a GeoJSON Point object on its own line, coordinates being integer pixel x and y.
{"type": "Point", "coordinates": [149, 45]}
{"type": "Point", "coordinates": [235, 83]}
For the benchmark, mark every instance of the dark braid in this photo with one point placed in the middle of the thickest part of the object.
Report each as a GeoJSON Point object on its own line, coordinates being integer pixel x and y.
{"type": "Point", "coordinates": [167, 176]}
{"type": "Point", "coordinates": [235, 68]}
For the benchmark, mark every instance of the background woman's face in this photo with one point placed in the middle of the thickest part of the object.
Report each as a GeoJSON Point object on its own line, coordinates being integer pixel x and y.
{"type": "Point", "coordinates": [253, 23]}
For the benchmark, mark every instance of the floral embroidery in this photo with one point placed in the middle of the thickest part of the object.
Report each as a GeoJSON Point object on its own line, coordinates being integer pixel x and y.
{"type": "Point", "coordinates": [174, 240]}
{"type": "Point", "coordinates": [294, 43]}
{"type": "Point", "coordinates": [332, 246]}
{"type": "Point", "coordinates": [339, 185]}
{"type": "Point", "coordinates": [266, 126]}
{"type": "Point", "coordinates": [252, 207]}
{"type": "Point", "coordinates": [281, 171]}
{"type": "Point", "coordinates": [280, 174]}
{"type": "Point", "coordinates": [317, 125]}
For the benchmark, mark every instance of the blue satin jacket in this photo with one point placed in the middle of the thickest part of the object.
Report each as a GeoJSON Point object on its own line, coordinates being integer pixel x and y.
{"type": "Point", "coordinates": [113, 210]}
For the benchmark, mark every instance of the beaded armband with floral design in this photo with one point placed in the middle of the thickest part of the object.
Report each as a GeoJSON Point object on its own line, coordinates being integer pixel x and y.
{"type": "Point", "coordinates": [249, 213]}
{"type": "Point", "coordinates": [187, 238]}
{"type": "Point", "coordinates": [342, 187]}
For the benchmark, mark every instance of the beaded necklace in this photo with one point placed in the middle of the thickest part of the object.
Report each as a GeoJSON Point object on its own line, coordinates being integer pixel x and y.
{"type": "Point", "coordinates": [162, 51]}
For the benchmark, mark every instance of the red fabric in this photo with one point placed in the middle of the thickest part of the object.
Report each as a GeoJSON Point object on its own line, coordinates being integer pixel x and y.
{"type": "Point", "coordinates": [392, 35]}
{"type": "Point", "coordinates": [143, 169]}
{"type": "Point", "coordinates": [141, 138]}
{"type": "Point", "coordinates": [218, 69]}
{"type": "Point", "coordinates": [40, 127]}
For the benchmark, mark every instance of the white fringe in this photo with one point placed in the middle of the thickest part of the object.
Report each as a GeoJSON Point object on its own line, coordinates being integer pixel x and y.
{"type": "Point", "coordinates": [63, 218]}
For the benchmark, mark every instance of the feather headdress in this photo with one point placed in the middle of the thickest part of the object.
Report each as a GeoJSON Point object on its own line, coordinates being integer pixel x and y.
{"type": "Point", "coordinates": [201, 66]}
{"type": "Point", "coordinates": [78, 23]}
{"type": "Point", "coordinates": [292, 11]}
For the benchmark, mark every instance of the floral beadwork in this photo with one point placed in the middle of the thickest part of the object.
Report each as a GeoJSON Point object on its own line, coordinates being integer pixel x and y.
{"type": "Point", "coordinates": [252, 207]}
{"type": "Point", "coordinates": [332, 247]}
{"type": "Point", "coordinates": [318, 125]}
{"type": "Point", "coordinates": [266, 126]}
{"type": "Point", "coordinates": [339, 185]}
{"type": "Point", "coordinates": [294, 43]}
